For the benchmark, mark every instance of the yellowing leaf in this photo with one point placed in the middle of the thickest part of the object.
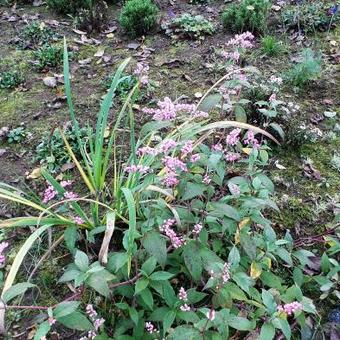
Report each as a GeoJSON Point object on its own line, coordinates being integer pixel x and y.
{"type": "Point", "coordinates": [244, 222]}
{"type": "Point", "coordinates": [247, 150]}
{"type": "Point", "coordinates": [255, 270]}
{"type": "Point", "coordinates": [36, 173]}
{"type": "Point", "coordinates": [237, 236]}
{"type": "Point", "coordinates": [267, 261]}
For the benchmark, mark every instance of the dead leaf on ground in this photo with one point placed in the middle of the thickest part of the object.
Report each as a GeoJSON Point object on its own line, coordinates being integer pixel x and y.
{"type": "Point", "coordinates": [310, 171]}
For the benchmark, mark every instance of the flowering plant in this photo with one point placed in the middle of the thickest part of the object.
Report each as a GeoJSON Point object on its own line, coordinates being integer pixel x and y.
{"type": "Point", "coordinates": [187, 249]}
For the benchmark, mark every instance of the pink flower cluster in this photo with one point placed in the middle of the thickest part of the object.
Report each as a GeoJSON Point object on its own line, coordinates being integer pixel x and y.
{"type": "Point", "coordinates": [97, 323]}
{"type": "Point", "coordinates": [243, 40]}
{"type": "Point", "coordinates": [70, 195]}
{"type": "Point", "coordinates": [217, 147]}
{"type": "Point", "coordinates": [175, 240]}
{"type": "Point", "coordinates": [141, 71]}
{"type": "Point", "coordinates": [223, 276]}
{"type": "Point", "coordinates": [150, 328]}
{"type": "Point", "coordinates": [51, 321]}
{"type": "Point", "coordinates": [234, 189]}
{"type": "Point", "coordinates": [290, 308]}
{"type": "Point", "coordinates": [206, 179]}
{"type": "Point", "coordinates": [137, 168]}
{"type": "Point", "coordinates": [251, 140]}
{"type": "Point", "coordinates": [231, 55]}
{"type": "Point", "coordinates": [225, 273]}
{"type": "Point", "coordinates": [167, 110]}
{"type": "Point", "coordinates": [49, 194]}
{"type": "Point", "coordinates": [233, 137]}
{"type": "Point", "coordinates": [187, 148]}
{"type": "Point", "coordinates": [78, 220]}
{"type": "Point", "coordinates": [197, 228]}
{"type": "Point", "coordinates": [173, 163]}
{"type": "Point", "coordinates": [183, 296]}
{"type": "Point", "coordinates": [3, 246]}
{"type": "Point", "coordinates": [232, 156]}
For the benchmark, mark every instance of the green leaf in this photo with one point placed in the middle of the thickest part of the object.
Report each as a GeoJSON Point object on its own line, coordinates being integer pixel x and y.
{"type": "Point", "coordinates": [210, 102]}
{"type": "Point", "coordinates": [149, 265]}
{"type": "Point", "coordinates": [168, 320]}
{"type": "Point", "coordinates": [98, 282]}
{"type": "Point", "coordinates": [134, 315]}
{"type": "Point", "coordinates": [160, 276]}
{"type": "Point", "coordinates": [147, 297]}
{"type": "Point", "coordinates": [155, 245]}
{"type": "Point", "coordinates": [69, 275]}
{"type": "Point", "coordinates": [43, 330]}
{"type": "Point", "coordinates": [81, 260]}
{"type": "Point", "coordinates": [71, 236]}
{"type": "Point", "coordinates": [140, 285]}
{"type": "Point", "coordinates": [185, 333]}
{"type": "Point", "coordinates": [241, 324]}
{"type": "Point", "coordinates": [221, 209]}
{"type": "Point", "coordinates": [194, 296]}
{"type": "Point", "coordinates": [271, 280]}
{"type": "Point", "coordinates": [283, 324]}
{"type": "Point", "coordinates": [234, 257]}
{"type": "Point", "coordinates": [65, 308]}
{"type": "Point", "coordinates": [193, 190]}
{"type": "Point", "coordinates": [269, 302]}
{"type": "Point", "coordinates": [267, 332]}
{"type": "Point", "coordinates": [76, 320]}
{"type": "Point", "coordinates": [235, 292]}
{"type": "Point", "coordinates": [284, 255]}
{"type": "Point", "coordinates": [192, 260]}
{"type": "Point", "coordinates": [240, 114]}
{"type": "Point", "coordinates": [17, 289]}
{"type": "Point", "coordinates": [116, 262]}
{"type": "Point", "coordinates": [243, 281]}
{"type": "Point", "coordinates": [298, 276]}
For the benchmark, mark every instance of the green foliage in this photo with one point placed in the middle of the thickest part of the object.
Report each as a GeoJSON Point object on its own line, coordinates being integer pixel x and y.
{"type": "Point", "coordinates": [125, 85]}
{"type": "Point", "coordinates": [307, 68]}
{"type": "Point", "coordinates": [310, 16]}
{"type": "Point", "coordinates": [190, 26]}
{"type": "Point", "coordinates": [51, 152]}
{"type": "Point", "coordinates": [48, 56]}
{"type": "Point", "coordinates": [17, 135]}
{"type": "Point", "coordinates": [138, 17]}
{"type": "Point", "coordinates": [249, 15]}
{"type": "Point", "coordinates": [10, 79]}
{"type": "Point", "coordinates": [68, 6]}
{"type": "Point", "coordinates": [35, 34]}
{"type": "Point", "coordinates": [271, 46]}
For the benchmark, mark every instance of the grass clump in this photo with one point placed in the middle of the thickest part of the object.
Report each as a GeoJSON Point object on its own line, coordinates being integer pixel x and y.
{"type": "Point", "coordinates": [271, 46]}
{"type": "Point", "coordinates": [249, 15]}
{"type": "Point", "coordinates": [138, 17]}
{"type": "Point", "coordinates": [307, 69]}
{"type": "Point", "coordinates": [68, 6]}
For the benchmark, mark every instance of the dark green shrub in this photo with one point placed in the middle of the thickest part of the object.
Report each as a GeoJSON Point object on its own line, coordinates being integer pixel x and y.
{"type": "Point", "coordinates": [307, 69]}
{"type": "Point", "coordinates": [138, 17]}
{"type": "Point", "coordinates": [68, 6]}
{"type": "Point", "coordinates": [48, 56]}
{"type": "Point", "coordinates": [249, 15]}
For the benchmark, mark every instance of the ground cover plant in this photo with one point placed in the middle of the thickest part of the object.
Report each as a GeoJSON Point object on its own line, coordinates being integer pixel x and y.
{"type": "Point", "coordinates": [158, 188]}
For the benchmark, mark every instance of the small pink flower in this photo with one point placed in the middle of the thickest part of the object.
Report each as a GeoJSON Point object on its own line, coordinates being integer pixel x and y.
{"type": "Point", "coordinates": [167, 145]}
{"type": "Point", "coordinates": [206, 179]}
{"type": "Point", "coordinates": [150, 328]}
{"type": "Point", "coordinates": [290, 308]}
{"type": "Point", "coordinates": [65, 184]}
{"type": "Point", "coordinates": [195, 158]}
{"type": "Point", "coordinates": [137, 168]}
{"type": "Point", "coordinates": [78, 220]}
{"type": "Point", "coordinates": [91, 312]}
{"type": "Point", "coordinates": [51, 321]}
{"type": "Point", "coordinates": [3, 246]}
{"type": "Point", "coordinates": [70, 195]}
{"type": "Point", "coordinates": [217, 147]}
{"type": "Point", "coordinates": [272, 97]}
{"type": "Point", "coordinates": [232, 156]}
{"type": "Point", "coordinates": [234, 189]}
{"type": "Point", "coordinates": [170, 179]}
{"type": "Point", "coordinates": [197, 228]}
{"type": "Point", "coordinates": [175, 240]}
{"type": "Point", "coordinates": [49, 194]}
{"type": "Point", "coordinates": [233, 137]}
{"type": "Point", "coordinates": [174, 163]}
{"type": "Point", "coordinates": [98, 323]}
{"type": "Point", "coordinates": [187, 148]}
{"type": "Point", "coordinates": [182, 295]}
{"type": "Point", "coordinates": [225, 273]}
{"type": "Point", "coordinates": [211, 315]}
{"type": "Point", "coordinates": [185, 308]}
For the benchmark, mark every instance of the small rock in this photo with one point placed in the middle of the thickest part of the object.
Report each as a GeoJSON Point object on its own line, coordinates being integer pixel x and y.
{"type": "Point", "coordinates": [198, 95]}
{"type": "Point", "coordinates": [2, 152]}
{"type": "Point", "coordinates": [50, 81]}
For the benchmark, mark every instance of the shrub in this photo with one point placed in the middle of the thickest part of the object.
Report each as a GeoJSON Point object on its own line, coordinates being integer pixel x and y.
{"type": "Point", "coordinates": [17, 135]}
{"type": "Point", "coordinates": [48, 56]}
{"type": "Point", "coordinates": [307, 69]}
{"type": "Point", "coordinates": [35, 34]}
{"type": "Point", "coordinates": [138, 17]}
{"type": "Point", "coordinates": [311, 16]}
{"type": "Point", "coordinates": [10, 79]}
{"type": "Point", "coordinates": [271, 46]}
{"type": "Point", "coordinates": [68, 6]}
{"type": "Point", "coordinates": [249, 15]}
{"type": "Point", "coordinates": [189, 26]}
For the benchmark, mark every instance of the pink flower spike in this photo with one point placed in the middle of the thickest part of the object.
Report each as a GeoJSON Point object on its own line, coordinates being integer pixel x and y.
{"type": "Point", "coordinates": [78, 220]}
{"type": "Point", "coordinates": [206, 179]}
{"type": "Point", "coordinates": [51, 321]}
{"type": "Point", "coordinates": [195, 158]}
{"type": "Point", "coordinates": [70, 195]}
{"type": "Point", "coordinates": [233, 137]}
{"type": "Point", "coordinates": [197, 228]}
{"type": "Point", "coordinates": [185, 308]}
{"type": "Point", "coordinates": [150, 328]}
{"type": "Point", "coordinates": [182, 295]}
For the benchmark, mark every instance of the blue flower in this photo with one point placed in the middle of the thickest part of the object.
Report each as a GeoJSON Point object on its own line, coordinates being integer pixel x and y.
{"type": "Point", "coordinates": [333, 9]}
